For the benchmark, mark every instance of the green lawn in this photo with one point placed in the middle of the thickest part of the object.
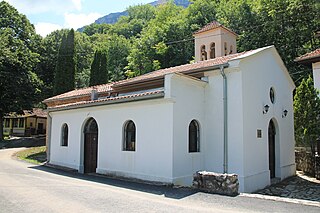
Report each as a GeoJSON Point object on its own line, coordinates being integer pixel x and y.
{"type": "Point", "coordinates": [35, 155]}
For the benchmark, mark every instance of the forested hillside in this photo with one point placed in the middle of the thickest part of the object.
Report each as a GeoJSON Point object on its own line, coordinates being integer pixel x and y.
{"type": "Point", "coordinates": [150, 38]}
{"type": "Point", "coordinates": [113, 17]}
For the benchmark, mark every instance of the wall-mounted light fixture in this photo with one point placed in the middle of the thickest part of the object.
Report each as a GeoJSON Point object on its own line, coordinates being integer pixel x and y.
{"type": "Point", "coordinates": [284, 113]}
{"type": "Point", "coordinates": [265, 109]}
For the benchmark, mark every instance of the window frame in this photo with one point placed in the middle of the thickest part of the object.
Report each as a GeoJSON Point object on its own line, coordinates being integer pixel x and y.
{"type": "Point", "coordinates": [195, 148]}
{"type": "Point", "coordinates": [212, 50]}
{"type": "Point", "coordinates": [6, 123]}
{"type": "Point", "coordinates": [203, 53]}
{"type": "Point", "coordinates": [64, 135]}
{"type": "Point", "coordinates": [272, 95]}
{"type": "Point", "coordinates": [15, 123]}
{"type": "Point", "coordinates": [21, 121]}
{"type": "Point", "coordinates": [127, 145]}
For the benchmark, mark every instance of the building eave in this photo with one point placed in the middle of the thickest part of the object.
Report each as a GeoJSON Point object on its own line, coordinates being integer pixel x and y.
{"type": "Point", "coordinates": [107, 102]}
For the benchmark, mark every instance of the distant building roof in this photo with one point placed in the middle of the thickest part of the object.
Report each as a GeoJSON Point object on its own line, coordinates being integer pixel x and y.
{"type": "Point", "coordinates": [310, 57]}
{"type": "Point", "coordinates": [36, 112]}
{"type": "Point", "coordinates": [211, 26]}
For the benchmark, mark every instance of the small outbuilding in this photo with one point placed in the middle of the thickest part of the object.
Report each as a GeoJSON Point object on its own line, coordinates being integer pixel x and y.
{"type": "Point", "coordinates": [228, 112]}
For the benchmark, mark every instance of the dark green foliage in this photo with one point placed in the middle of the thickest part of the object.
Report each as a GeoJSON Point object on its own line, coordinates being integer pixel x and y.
{"type": "Point", "coordinates": [99, 72]}
{"type": "Point", "coordinates": [48, 60]}
{"type": "Point", "coordinates": [65, 68]}
{"type": "Point", "coordinates": [150, 38]}
{"type": "Point", "coordinates": [307, 114]}
{"type": "Point", "coordinates": [19, 45]}
{"type": "Point", "coordinates": [96, 28]}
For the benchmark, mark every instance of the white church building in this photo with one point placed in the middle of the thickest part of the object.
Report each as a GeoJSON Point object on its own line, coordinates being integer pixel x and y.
{"type": "Point", "coordinates": [228, 112]}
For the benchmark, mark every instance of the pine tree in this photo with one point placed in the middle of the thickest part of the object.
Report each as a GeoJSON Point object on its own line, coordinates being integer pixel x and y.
{"type": "Point", "coordinates": [307, 114]}
{"type": "Point", "coordinates": [65, 69]}
{"type": "Point", "coordinates": [99, 73]}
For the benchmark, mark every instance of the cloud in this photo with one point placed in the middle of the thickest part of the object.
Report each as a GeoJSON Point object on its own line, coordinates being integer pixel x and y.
{"type": "Point", "coordinates": [76, 21]}
{"type": "Point", "coordinates": [44, 29]}
{"type": "Point", "coordinates": [41, 6]}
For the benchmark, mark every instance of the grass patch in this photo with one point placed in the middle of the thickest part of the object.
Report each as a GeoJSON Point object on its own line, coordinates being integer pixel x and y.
{"type": "Point", "coordinates": [35, 155]}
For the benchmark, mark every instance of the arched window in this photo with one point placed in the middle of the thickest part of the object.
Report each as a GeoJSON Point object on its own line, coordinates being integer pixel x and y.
{"type": "Point", "coordinates": [225, 48]}
{"type": "Point", "coordinates": [64, 135]}
{"type": "Point", "coordinates": [194, 136]}
{"type": "Point", "coordinates": [203, 53]}
{"type": "Point", "coordinates": [231, 49]}
{"type": "Point", "coordinates": [272, 95]}
{"type": "Point", "coordinates": [129, 142]}
{"type": "Point", "coordinates": [213, 50]}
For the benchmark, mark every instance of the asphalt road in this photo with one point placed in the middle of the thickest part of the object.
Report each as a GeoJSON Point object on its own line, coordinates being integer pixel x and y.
{"type": "Point", "coordinates": [29, 188]}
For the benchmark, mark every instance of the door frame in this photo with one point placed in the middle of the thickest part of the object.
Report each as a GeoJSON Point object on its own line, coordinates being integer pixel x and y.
{"type": "Point", "coordinates": [276, 149]}
{"type": "Point", "coordinates": [82, 144]}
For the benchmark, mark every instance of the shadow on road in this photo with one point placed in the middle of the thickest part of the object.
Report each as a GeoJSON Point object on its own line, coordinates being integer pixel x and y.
{"type": "Point", "coordinates": [167, 191]}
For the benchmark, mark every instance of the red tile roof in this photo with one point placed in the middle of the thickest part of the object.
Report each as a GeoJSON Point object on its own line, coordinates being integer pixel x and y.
{"type": "Point", "coordinates": [308, 56]}
{"type": "Point", "coordinates": [110, 99]}
{"type": "Point", "coordinates": [211, 26]}
{"type": "Point", "coordinates": [81, 92]}
{"type": "Point", "coordinates": [28, 113]}
{"type": "Point", "coordinates": [155, 74]}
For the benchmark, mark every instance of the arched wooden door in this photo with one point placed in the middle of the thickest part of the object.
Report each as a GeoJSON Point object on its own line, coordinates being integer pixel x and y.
{"type": "Point", "coordinates": [90, 146]}
{"type": "Point", "coordinates": [272, 151]}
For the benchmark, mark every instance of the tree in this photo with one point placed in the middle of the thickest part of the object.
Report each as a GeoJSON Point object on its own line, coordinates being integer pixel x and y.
{"type": "Point", "coordinates": [19, 85]}
{"type": "Point", "coordinates": [99, 72]}
{"type": "Point", "coordinates": [84, 53]}
{"type": "Point", "coordinates": [65, 68]}
{"type": "Point", "coordinates": [307, 114]}
{"type": "Point", "coordinates": [48, 60]}
{"type": "Point", "coordinates": [156, 48]}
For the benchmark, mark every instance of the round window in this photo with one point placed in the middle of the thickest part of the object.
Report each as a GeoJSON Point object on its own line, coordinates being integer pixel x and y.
{"type": "Point", "coordinates": [271, 95]}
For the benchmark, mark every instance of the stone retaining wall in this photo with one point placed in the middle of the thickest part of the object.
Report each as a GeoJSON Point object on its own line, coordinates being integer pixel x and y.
{"type": "Point", "coordinates": [308, 164]}
{"type": "Point", "coordinates": [225, 184]}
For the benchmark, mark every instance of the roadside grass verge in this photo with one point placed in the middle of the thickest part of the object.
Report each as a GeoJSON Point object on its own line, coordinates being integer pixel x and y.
{"type": "Point", "coordinates": [35, 155]}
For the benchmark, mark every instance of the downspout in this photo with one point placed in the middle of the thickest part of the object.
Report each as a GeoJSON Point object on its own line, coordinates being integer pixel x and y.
{"type": "Point", "coordinates": [225, 121]}
{"type": "Point", "coordinates": [48, 143]}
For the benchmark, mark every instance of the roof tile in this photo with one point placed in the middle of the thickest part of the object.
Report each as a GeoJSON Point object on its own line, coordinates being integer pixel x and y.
{"type": "Point", "coordinates": [310, 55]}
{"type": "Point", "coordinates": [211, 26]}
{"type": "Point", "coordinates": [159, 73]}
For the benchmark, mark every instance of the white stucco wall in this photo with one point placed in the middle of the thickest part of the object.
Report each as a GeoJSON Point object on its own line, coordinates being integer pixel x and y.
{"type": "Point", "coordinates": [189, 99]}
{"type": "Point", "coordinates": [316, 75]}
{"type": "Point", "coordinates": [260, 72]}
{"type": "Point", "coordinates": [162, 127]}
{"type": "Point", "coordinates": [152, 159]}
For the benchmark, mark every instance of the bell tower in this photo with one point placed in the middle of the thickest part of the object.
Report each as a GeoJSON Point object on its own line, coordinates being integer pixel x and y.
{"type": "Point", "coordinates": [214, 40]}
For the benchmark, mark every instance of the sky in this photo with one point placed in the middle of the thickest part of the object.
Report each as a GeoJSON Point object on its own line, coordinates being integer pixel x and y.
{"type": "Point", "coordinates": [50, 15]}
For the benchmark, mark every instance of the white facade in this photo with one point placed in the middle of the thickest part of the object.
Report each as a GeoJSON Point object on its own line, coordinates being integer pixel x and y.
{"type": "Point", "coordinates": [316, 74]}
{"type": "Point", "coordinates": [162, 123]}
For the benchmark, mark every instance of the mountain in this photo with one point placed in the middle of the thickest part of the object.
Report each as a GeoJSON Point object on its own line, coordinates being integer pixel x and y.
{"type": "Point", "coordinates": [113, 17]}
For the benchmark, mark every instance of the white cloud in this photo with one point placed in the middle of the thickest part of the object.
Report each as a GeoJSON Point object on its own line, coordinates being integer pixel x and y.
{"type": "Point", "coordinates": [44, 29]}
{"type": "Point", "coordinates": [41, 6]}
{"type": "Point", "coordinates": [76, 21]}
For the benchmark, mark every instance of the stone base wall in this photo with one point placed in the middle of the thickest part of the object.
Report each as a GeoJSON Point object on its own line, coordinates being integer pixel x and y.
{"type": "Point", "coordinates": [225, 184]}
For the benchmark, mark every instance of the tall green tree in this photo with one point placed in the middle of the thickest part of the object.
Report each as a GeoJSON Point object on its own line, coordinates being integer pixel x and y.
{"type": "Point", "coordinates": [307, 114]}
{"type": "Point", "coordinates": [99, 73]}
{"type": "Point", "coordinates": [19, 44]}
{"type": "Point", "coordinates": [48, 60]}
{"type": "Point", "coordinates": [65, 68]}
